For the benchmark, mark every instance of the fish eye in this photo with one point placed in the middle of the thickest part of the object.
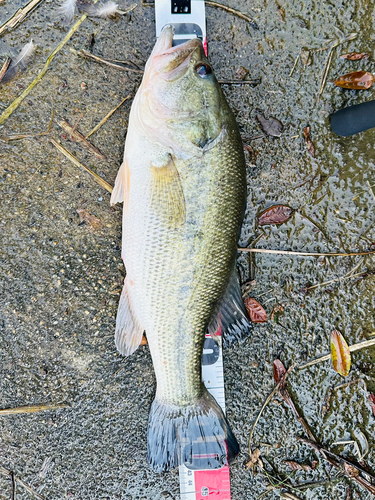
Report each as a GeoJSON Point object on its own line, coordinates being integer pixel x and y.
{"type": "Point", "coordinates": [203, 69]}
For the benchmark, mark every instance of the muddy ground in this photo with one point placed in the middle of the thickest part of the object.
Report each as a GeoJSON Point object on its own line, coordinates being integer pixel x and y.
{"type": "Point", "coordinates": [60, 281]}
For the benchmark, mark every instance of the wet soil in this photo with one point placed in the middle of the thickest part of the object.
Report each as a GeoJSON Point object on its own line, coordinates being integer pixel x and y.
{"type": "Point", "coordinates": [60, 281]}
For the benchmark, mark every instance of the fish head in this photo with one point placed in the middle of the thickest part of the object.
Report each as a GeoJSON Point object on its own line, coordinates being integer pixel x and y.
{"type": "Point", "coordinates": [182, 102]}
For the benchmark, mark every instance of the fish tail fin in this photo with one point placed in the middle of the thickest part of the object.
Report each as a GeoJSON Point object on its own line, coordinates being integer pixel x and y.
{"type": "Point", "coordinates": [197, 436]}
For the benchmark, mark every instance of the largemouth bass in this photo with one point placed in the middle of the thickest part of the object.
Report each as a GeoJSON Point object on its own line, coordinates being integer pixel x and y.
{"type": "Point", "coordinates": [183, 185]}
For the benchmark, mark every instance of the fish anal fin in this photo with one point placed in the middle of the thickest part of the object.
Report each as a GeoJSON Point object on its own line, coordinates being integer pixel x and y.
{"type": "Point", "coordinates": [129, 331]}
{"type": "Point", "coordinates": [230, 319]}
{"type": "Point", "coordinates": [120, 192]}
{"type": "Point", "coordinates": [167, 196]}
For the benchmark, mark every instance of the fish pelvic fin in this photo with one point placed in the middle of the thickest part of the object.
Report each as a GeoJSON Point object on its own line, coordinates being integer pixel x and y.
{"type": "Point", "coordinates": [120, 192]}
{"type": "Point", "coordinates": [167, 196]}
{"type": "Point", "coordinates": [230, 318]}
{"type": "Point", "coordinates": [197, 436]}
{"type": "Point", "coordinates": [129, 332]}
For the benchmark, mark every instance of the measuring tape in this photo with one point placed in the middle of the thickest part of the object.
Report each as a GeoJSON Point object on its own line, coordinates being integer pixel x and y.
{"type": "Point", "coordinates": [208, 483]}
{"type": "Point", "coordinates": [189, 20]}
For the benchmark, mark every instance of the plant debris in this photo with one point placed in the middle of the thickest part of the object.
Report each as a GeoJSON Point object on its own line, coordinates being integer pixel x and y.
{"type": "Point", "coordinates": [93, 223]}
{"type": "Point", "coordinates": [256, 311]}
{"type": "Point", "coordinates": [359, 80]}
{"type": "Point", "coordinates": [278, 370]}
{"type": "Point", "coordinates": [253, 459]}
{"type": "Point", "coordinates": [76, 135]}
{"type": "Point", "coordinates": [277, 214]}
{"type": "Point", "coordinates": [297, 466]}
{"type": "Point", "coordinates": [341, 358]}
{"type": "Point", "coordinates": [372, 402]}
{"type": "Point", "coordinates": [308, 142]}
{"type": "Point", "coordinates": [355, 56]}
{"type": "Point", "coordinates": [305, 57]}
{"type": "Point", "coordinates": [272, 126]}
{"type": "Point", "coordinates": [241, 73]}
{"type": "Point", "coordinates": [276, 312]}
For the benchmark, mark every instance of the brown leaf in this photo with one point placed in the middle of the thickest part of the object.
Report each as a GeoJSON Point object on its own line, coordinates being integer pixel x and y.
{"type": "Point", "coordinates": [350, 470]}
{"type": "Point", "coordinates": [278, 370]}
{"type": "Point", "coordinates": [277, 214]}
{"type": "Point", "coordinates": [272, 126]}
{"type": "Point", "coordinates": [308, 142]}
{"type": "Point", "coordinates": [372, 401]}
{"type": "Point", "coordinates": [256, 312]}
{"type": "Point", "coordinates": [253, 459]}
{"type": "Point", "coordinates": [355, 56]}
{"type": "Point", "coordinates": [296, 466]}
{"type": "Point", "coordinates": [93, 223]}
{"type": "Point", "coordinates": [359, 80]}
{"type": "Point", "coordinates": [340, 353]}
{"type": "Point", "coordinates": [241, 73]}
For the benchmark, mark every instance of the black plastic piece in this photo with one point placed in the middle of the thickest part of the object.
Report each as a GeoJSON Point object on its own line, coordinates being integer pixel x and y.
{"type": "Point", "coordinates": [181, 6]}
{"type": "Point", "coordinates": [354, 119]}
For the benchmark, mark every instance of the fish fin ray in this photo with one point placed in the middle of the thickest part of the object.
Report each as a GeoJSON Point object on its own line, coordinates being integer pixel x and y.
{"type": "Point", "coordinates": [177, 435]}
{"type": "Point", "coordinates": [120, 192]}
{"type": "Point", "coordinates": [167, 196]}
{"type": "Point", "coordinates": [230, 318]}
{"type": "Point", "coordinates": [129, 331]}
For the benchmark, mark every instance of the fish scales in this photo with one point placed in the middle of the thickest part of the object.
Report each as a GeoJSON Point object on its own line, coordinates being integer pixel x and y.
{"type": "Point", "coordinates": [183, 184]}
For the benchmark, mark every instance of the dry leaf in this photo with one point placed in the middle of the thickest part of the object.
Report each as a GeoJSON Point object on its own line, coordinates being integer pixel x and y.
{"type": "Point", "coordinates": [256, 312]}
{"type": "Point", "coordinates": [355, 56]}
{"type": "Point", "coordinates": [93, 223]}
{"type": "Point", "coordinates": [305, 56]}
{"type": "Point", "coordinates": [372, 401]}
{"type": "Point", "coordinates": [278, 370]}
{"type": "Point", "coordinates": [296, 466]}
{"type": "Point", "coordinates": [350, 470]}
{"type": "Point", "coordinates": [272, 126]}
{"type": "Point", "coordinates": [277, 310]}
{"type": "Point", "coordinates": [253, 459]}
{"type": "Point", "coordinates": [340, 353]}
{"type": "Point", "coordinates": [277, 214]}
{"type": "Point", "coordinates": [359, 80]}
{"type": "Point", "coordinates": [308, 142]}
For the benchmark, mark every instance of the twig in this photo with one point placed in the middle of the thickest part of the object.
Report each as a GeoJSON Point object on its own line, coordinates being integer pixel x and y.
{"type": "Point", "coordinates": [22, 483]}
{"type": "Point", "coordinates": [254, 82]}
{"type": "Point", "coordinates": [305, 254]}
{"type": "Point", "coordinates": [365, 273]}
{"type": "Point", "coordinates": [84, 53]}
{"type": "Point", "coordinates": [32, 408]}
{"type": "Point", "coordinates": [233, 11]}
{"type": "Point", "coordinates": [12, 478]}
{"type": "Point", "coordinates": [19, 16]}
{"type": "Point", "coordinates": [9, 110]}
{"type": "Point", "coordinates": [74, 160]}
{"type": "Point", "coordinates": [97, 127]}
{"type": "Point", "coordinates": [294, 65]}
{"type": "Point", "coordinates": [352, 348]}
{"type": "Point", "coordinates": [269, 398]}
{"type": "Point", "coordinates": [5, 67]}
{"type": "Point", "coordinates": [80, 138]}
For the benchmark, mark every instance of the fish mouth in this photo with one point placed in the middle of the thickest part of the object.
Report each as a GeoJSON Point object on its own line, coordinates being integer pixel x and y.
{"type": "Point", "coordinates": [167, 59]}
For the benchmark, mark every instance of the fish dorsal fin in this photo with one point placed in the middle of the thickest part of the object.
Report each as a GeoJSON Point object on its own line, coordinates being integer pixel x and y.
{"type": "Point", "coordinates": [120, 192]}
{"type": "Point", "coordinates": [167, 196]}
{"type": "Point", "coordinates": [230, 317]}
{"type": "Point", "coordinates": [129, 331]}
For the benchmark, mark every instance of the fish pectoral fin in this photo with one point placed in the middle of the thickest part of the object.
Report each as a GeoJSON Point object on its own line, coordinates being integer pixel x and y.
{"type": "Point", "coordinates": [120, 192]}
{"type": "Point", "coordinates": [167, 196]}
{"type": "Point", "coordinates": [230, 318]}
{"type": "Point", "coordinates": [129, 331]}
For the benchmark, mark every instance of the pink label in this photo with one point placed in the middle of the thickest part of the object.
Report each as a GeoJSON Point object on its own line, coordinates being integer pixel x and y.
{"type": "Point", "coordinates": [212, 484]}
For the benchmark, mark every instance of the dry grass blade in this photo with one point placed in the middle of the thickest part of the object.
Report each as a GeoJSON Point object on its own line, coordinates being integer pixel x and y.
{"type": "Point", "coordinates": [5, 67]}
{"type": "Point", "coordinates": [10, 109]}
{"type": "Point", "coordinates": [22, 483]}
{"type": "Point", "coordinates": [87, 55]}
{"type": "Point", "coordinates": [13, 497]}
{"type": "Point", "coordinates": [352, 348]}
{"type": "Point", "coordinates": [19, 16]}
{"type": "Point", "coordinates": [254, 82]}
{"type": "Point", "coordinates": [232, 11]}
{"type": "Point", "coordinates": [76, 162]}
{"type": "Point", "coordinates": [32, 409]}
{"type": "Point", "coordinates": [16, 137]}
{"type": "Point", "coordinates": [97, 127]}
{"type": "Point", "coordinates": [80, 138]}
{"type": "Point", "coordinates": [304, 254]}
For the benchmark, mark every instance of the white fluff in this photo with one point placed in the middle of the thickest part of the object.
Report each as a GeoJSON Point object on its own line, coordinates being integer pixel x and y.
{"type": "Point", "coordinates": [104, 11]}
{"type": "Point", "coordinates": [20, 62]}
{"type": "Point", "coordinates": [67, 11]}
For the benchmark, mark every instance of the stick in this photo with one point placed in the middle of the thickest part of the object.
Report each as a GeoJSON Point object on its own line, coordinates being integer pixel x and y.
{"type": "Point", "coordinates": [5, 67]}
{"type": "Point", "coordinates": [19, 16]}
{"type": "Point", "coordinates": [97, 127]}
{"type": "Point", "coordinates": [233, 11]}
{"type": "Point", "coordinates": [80, 138]}
{"type": "Point", "coordinates": [9, 110]}
{"type": "Point", "coordinates": [22, 483]}
{"type": "Point", "coordinates": [32, 408]}
{"type": "Point", "coordinates": [84, 53]}
{"type": "Point", "coordinates": [352, 348]}
{"type": "Point", "coordinates": [13, 497]}
{"type": "Point", "coordinates": [304, 254]}
{"type": "Point", "coordinates": [74, 160]}
{"type": "Point", "coordinates": [255, 81]}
